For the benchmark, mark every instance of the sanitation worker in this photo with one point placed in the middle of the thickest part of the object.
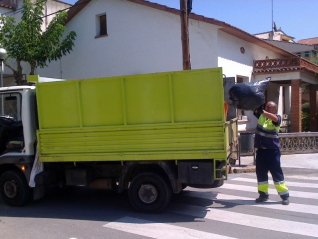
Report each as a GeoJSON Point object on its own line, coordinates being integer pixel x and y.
{"type": "Point", "coordinates": [268, 152]}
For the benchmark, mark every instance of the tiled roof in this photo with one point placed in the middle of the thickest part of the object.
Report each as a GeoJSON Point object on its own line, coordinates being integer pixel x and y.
{"type": "Point", "coordinates": [225, 27]}
{"type": "Point", "coordinates": [309, 41]}
{"type": "Point", "coordinates": [11, 4]}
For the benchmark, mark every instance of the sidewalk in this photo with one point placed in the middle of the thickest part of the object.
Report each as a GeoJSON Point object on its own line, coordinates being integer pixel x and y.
{"type": "Point", "coordinates": [305, 161]}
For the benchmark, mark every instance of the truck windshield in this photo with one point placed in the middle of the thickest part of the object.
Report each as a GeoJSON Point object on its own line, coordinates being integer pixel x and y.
{"type": "Point", "coordinates": [10, 106]}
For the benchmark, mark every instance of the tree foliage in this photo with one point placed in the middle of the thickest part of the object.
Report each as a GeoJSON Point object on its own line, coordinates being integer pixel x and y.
{"type": "Point", "coordinates": [26, 42]}
{"type": "Point", "coordinates": [314, 59]}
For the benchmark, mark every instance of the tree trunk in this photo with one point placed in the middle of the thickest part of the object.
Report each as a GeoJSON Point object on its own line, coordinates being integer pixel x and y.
{"type": "Point", "coordinates": [18, 76]}
{"type": "Point", "coordinates": [17, 73]}
{"type": "Point", "coordinates": [33, 65]}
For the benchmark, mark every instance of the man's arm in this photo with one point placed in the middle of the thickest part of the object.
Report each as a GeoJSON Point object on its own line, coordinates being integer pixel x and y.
{"type": "Point", "coordinates": [257, 112]}
{"type": "Point", "coordinates": [270, 116]}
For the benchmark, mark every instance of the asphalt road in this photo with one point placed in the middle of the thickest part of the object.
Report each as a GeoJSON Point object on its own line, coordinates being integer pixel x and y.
{"type": "Point", "coordinates": [226, 212]}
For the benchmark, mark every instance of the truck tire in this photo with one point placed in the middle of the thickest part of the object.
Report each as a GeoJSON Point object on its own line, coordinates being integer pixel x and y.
{"type": "Point", "coordinates": [14, 188]}
{"type": "Point", "coordinates": [217, 183]}
{"type": "Point", "coordinates": [149, 192]}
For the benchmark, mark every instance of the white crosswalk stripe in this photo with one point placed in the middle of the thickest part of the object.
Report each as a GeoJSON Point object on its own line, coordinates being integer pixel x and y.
{"type": "Point", "coordinates": [293, 207]}
{"type": "Point", "coordinates": [271, 191]}
{"type": "Point", "coordinates": [303, 221]}
{"type": "Point", "coordinates": [303, 177]}
{"type": "Point", "coordinates": [158, 230]}
{"type": "Point", "coordinates": [294, 184]}
{"type": "Point", "coordinates": [299, 228]}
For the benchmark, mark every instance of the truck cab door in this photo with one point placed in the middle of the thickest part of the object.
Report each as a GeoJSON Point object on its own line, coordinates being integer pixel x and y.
{"type": "Point", "coordinates": [11, 129]}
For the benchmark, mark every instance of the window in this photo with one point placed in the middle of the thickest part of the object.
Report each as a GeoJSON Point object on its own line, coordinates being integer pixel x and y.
{"type": "Point", "coordinates": [10, 106]}
{"type": "Point", "coordinates": [101, 25]}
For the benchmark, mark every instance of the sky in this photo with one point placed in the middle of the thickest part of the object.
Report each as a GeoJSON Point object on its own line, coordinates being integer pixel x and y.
{"type": "Point", "coordinates": [296, 18]}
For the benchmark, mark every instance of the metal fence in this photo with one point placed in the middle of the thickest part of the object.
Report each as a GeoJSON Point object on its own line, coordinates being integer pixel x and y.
{"type": "Point", "coordinates": [298, 143]}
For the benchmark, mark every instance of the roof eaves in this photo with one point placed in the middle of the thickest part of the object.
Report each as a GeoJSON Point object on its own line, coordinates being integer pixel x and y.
{"type": "Point", "coordinates": [6, 6]}
{"type": "Point", "coordinates": [62, 2]}
{"type": "Point", "coordinates": [284, 70]}
{"type": "Point", "coordinates": [296, 43]}
{"type": "Point", "coordinates": [76, 8]}
{"type": "Point", "coordinates": [262, 33]}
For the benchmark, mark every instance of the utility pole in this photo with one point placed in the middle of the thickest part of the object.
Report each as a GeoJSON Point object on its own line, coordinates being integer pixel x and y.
{"type": "Point", "coordinates": [185, 35]}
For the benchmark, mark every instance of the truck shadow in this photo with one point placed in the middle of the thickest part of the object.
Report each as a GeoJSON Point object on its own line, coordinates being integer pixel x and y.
{"type": "Point", "coordinates": [107, 206]}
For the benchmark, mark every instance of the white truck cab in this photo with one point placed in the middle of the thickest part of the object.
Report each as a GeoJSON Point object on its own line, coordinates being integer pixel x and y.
{"type": "Point", "coordinates": [17, 127]}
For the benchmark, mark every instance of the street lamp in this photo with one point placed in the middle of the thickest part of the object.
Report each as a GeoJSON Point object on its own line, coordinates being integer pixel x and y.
{"type": "Point", "coordinates": [3, 56]}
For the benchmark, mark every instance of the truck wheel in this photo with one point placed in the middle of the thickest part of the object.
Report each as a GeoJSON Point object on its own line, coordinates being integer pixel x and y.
{"type": "Point", "coordinates": [217, 183]}
{"type": "Point", "coordinates": [14, 188]}
{"type": "Point", "coordinates": [149, 192]}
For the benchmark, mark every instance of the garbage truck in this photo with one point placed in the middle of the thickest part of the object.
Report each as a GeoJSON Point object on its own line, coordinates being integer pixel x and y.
{"type": "Point", "coordinates": [149, 134]}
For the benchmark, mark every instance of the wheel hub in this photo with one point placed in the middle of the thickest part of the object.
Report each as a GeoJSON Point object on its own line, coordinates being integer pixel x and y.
{"type": "Point", "coordinates": [10, 189]}
{"type": "Point", "coordinates": [148, 193]}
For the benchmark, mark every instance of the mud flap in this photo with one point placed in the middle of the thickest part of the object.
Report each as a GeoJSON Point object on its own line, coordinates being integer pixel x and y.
{"type": "Point", "coordinates": [36, 169]}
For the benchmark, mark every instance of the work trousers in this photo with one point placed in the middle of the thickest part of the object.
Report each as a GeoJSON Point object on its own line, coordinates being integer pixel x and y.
{"type": "Point", "coordinates": [269, 160]}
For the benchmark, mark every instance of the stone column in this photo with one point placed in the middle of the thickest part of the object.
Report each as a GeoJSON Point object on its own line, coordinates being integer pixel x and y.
{"type": "Point", "coordinates": [313, 109]}
{"type": "Point", "coordinates": [296, 106]}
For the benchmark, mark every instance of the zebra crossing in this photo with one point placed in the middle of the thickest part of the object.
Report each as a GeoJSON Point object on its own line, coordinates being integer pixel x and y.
{"type": "Point", "coordinates": [231, 212]}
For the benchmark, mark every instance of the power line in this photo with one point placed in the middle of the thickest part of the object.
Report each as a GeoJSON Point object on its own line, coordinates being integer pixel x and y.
{"type": "Point", "coordinates": [66, 8]}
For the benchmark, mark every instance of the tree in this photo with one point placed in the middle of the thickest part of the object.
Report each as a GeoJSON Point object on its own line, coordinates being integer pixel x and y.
{"type": "Point", "coordinates": [26, 42]}
{"type": "Point", "coordinates": [314, 59]}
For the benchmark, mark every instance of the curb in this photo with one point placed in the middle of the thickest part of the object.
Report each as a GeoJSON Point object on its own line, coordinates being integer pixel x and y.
{"type": "Point", "coordinates": [243, 169]}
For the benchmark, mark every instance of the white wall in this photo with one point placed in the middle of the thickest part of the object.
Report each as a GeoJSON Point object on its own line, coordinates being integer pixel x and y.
{"type": "Point", "coordinates": [235, 63]}
{"type": "Point", "coordinates": [263, 35]}
{"type": "Point", "coordinates": [51, 7]}
{"type": "Point", "coordinates": [145, 40]}
{"type": "Point", "coordinates": [140, 40]}
{"type": "Point", "coordinates": [12, 12]}
{"type": "Point", "coordinates": [292, 47]}
{"type": "Point", "coordinates": [204, 44]}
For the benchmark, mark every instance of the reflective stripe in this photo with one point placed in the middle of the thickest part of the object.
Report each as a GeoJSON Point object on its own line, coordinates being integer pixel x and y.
{"type": "Point", "coordinates": [283, 193]}
{"type": "Point", "coordinates": [266, 130]}
{"type": "Point", "coordinates": [266, 135]}
{"type": "Point", "coordinates": [279, 183]}
{"type": "Point", "coordinates": [264, 182]}
{"type": "Point", "coordinates": [263, 188]}
{"type": "Point", "coordinates": [266, 125]}
{"type": "Point", "coordinates": [281, 188]}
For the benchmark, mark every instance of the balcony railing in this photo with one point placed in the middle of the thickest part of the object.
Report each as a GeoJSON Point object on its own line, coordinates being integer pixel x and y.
{"type": "Point", "coordinates": [10, 3]}
{"type": "Point", "coordinates": [285, 63]}
{"type": "Point", "coordinates": [293, 143]}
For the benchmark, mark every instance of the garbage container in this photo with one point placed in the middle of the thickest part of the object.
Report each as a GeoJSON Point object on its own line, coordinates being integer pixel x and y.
{"type": "Point", "coordinates": [246, 145]}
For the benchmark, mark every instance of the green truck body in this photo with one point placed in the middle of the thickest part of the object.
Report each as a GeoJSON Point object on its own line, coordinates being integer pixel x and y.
{"type": "Point", "coordinates": [163, 116]}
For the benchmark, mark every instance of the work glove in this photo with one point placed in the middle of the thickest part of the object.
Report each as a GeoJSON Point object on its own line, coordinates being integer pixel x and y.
{"type": "Point", "coordinates": [259, 110]}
